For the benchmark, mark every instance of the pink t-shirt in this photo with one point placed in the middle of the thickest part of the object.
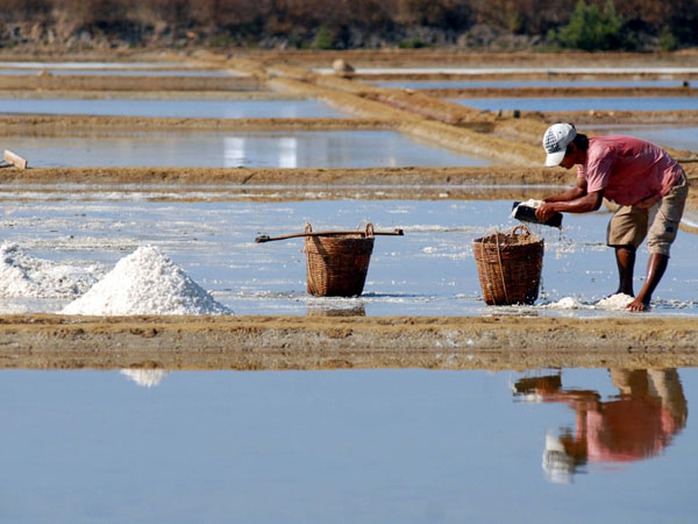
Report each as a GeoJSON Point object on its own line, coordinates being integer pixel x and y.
{"type": "Point", "coordinates": [628, 169]}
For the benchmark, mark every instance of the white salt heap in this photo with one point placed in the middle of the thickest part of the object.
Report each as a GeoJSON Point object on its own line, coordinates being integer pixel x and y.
{"type": "Point", "coordinates": [146, 282]}
{"type": "Point", "coordinates": [619, 301]}
{"type": "Point", "coordinates": [22, 275]}
{"type": "Point", "coordinates": [566, 303]}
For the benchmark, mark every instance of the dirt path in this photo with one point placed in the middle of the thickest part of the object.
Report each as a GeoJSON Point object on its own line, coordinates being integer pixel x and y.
{"type": "Point", "coordinates": [271, 343]}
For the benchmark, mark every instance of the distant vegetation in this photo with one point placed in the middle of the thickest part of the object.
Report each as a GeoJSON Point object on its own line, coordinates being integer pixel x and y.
{"type": "Point", "coordinates": [631, 25]}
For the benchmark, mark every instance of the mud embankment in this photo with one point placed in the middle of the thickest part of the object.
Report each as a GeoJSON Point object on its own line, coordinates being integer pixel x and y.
{"type": "Point", "coordinates": [276, 343]}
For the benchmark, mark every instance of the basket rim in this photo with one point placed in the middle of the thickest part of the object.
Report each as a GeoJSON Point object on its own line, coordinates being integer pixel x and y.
{"type": "Point", "coordinates": [505, 238]}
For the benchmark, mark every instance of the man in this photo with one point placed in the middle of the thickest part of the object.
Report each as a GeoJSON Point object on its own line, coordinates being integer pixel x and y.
{"type": "Point", "coordinates": [650, 187]}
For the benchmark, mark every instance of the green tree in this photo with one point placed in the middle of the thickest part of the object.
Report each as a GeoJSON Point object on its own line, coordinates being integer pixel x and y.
{"type": "Point", "coordinates": [591, 28]}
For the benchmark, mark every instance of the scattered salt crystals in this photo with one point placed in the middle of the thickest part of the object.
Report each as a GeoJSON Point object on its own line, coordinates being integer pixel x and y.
{"type": "Point", "coordinates": [22, 275]}
{"type": "Point", "coordinates": [618, 301]}
{"type": "Point", "coordinates": [566, 303]}
{"type": "Point", "coordinates": [148, 378]}
{"type": "Point", "coordinates": [146, 282]}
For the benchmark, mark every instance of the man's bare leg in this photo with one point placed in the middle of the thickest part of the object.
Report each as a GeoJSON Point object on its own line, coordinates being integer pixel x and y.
{"type": "Point", "coordinates": [625, 259]}
{"type": "Point", "coordinates": [656, 266]}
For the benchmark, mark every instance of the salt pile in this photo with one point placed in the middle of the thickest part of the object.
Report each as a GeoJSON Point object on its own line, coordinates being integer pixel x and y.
{"type": "Point", "coordinates": [22, 275]}
{"type": "Point", "coordinates": [146, 282]}
{"type": "Point", "coordinates": [619, 301]}
{"type": "Point", "coordinates": [566, 303]}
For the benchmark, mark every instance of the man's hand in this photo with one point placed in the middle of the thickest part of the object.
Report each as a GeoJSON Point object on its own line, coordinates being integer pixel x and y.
{"type": "Point", "coordinates": [545, 211]}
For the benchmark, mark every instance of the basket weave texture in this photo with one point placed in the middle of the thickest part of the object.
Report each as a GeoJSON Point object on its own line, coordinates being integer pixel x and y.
{"type": "Point", "coordinates": [509, 266]}
{"type": "Point", "coordinates": [337, 264]}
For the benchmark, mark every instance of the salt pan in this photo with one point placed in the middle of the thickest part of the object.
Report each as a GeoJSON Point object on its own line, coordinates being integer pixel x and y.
{"type": "Point", "coordinates": [22, 275]}
{"type": "Point", "coordinates": [142, 283]}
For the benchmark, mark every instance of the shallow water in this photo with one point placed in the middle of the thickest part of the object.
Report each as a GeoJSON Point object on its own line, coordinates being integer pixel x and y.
{"type": "Point", "coordinates": [94, 66]}
{"type": "Point", "coordinates": [172, 108]}
{"type": "Point", "coordinates": [683, 138]}
{"type": "Point", "coordinates": [463, 84]}
{"type": "Point", "coordinates": [429, 271]}
{"type": "Point", "coordinates": [548, 71]}
{"type": "Point", "coordinates": [119, 72]}
{"type": "Point", "coordinates": [656, 103]}
{"type": "Point", "coordinates": [336, 149]}
{"type": "Point", "coordinates": [338, 446]}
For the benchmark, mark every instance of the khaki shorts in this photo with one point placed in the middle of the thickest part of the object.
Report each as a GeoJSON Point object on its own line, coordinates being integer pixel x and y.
{"type": "Point", "coordinates": [630, 225]}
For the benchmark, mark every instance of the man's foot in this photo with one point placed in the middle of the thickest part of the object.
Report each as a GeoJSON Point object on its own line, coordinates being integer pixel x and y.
{"type": "Point", "coordinates": [638, 305]}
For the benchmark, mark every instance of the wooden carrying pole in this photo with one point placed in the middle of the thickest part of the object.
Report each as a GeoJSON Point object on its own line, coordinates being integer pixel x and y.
{"type": "Point", "coordinates": [266, 238]}
{"type": "Point", "coordinates": [15, 159]}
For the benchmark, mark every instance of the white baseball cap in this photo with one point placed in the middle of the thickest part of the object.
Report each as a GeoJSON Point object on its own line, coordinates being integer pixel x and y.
{"type": "Point", "coordinates": [555, 141]}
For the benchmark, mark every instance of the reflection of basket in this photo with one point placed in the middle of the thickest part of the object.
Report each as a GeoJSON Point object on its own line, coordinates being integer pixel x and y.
{"type": "Point", "coordinates": [509, 266]}
{"type": "Point", "coordinates": [337, 264]}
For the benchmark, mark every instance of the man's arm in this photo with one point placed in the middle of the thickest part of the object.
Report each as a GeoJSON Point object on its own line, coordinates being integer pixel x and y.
{"type": "Point", "coordinates": [575, 200]}
{"type": "Point", "coordinates": [578, 191]}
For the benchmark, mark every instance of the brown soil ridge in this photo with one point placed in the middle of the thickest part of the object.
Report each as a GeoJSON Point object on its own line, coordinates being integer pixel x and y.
{"type": "Point", "coordinates": [330, 342]}
{"type": "Point", "coordinates": [443, 177]}
{"type": "Point", "coordinates": [78, 125]}
{"type": "Point", "coordinates": [412, 178]}
{"type": "Point", "coordinates": [127, 83]}
{"type": "Point", "coordinates": [453, 57]}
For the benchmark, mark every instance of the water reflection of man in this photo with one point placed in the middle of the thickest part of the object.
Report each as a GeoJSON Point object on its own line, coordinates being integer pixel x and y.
{"type": "Point", "coordinates": [637, 424]}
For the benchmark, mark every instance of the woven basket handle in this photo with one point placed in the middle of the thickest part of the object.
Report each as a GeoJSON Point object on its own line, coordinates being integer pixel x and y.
{"type": "Point", "coordinates": [369, 230]}
{"type": "Point", "coordinates": [515, 230]}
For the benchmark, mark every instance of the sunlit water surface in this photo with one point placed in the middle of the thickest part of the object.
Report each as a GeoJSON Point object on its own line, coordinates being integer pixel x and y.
{"type": "Point", "coordinates": [348, 446]}
{"type": "Point", "coordinates": [677, 137]}
{"type": "Point", "coordinates": [465, 84]}
{"type": "Point", "coordinates": [335, 149]}
{"type": "Point", "coordinates": [171, 108]}
{"type": "Point", "coordinates": [610, 103]}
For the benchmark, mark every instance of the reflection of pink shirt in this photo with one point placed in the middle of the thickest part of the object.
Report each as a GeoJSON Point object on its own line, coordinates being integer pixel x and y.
{"type": "Point", "coordinates": [628, 429]}
{"type": "Point", "coordinates": [628, 169]}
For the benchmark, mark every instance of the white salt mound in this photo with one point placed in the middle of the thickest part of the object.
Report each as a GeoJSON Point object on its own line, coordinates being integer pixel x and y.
{"type": "Point", "coordinates": [618, 301]}
{"type": "Point", "coordinates": [146, 282]}
{"type": "Point", "coordinates": [566, 303]}
{"type": "Point", "coordinates": [22, 275]}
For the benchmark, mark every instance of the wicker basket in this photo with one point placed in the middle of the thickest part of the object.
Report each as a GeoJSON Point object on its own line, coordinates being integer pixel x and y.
{"type": "Point", "coordinates": [337, 264]}
{"type": "Point", "coordinates": [509, 266]}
